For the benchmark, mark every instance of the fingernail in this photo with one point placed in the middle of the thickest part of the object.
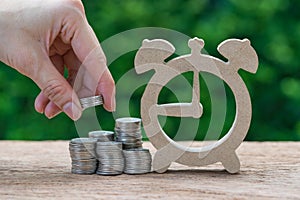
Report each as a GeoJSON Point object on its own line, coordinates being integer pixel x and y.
{"type": "Point", "coordinates": [72, 110]}
{"type": "Point", "coordinates": [41, 112]}
{"type": "Point", "coordinates": [39, 109]}
{"type": "Point", "coordinates": [53, 115]}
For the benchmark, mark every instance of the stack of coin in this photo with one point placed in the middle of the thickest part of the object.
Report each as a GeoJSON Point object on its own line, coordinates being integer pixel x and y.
{"type": "Point", "coordinates": [91, 101]}
{"type": "Point", "coordinates": [82, 152]}
{"type": "Point", "coordinates": [102, 136]}
{"type": "Point", "coordinates": [128, 131]}
{"type": "Point", "coordinates": [110, 157]}
{"type": "Point", "coordinates": [137, 161]}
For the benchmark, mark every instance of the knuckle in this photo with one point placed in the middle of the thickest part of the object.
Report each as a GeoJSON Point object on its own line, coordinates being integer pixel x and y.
{"type": "Point", "coordinates": [55, 91]}
{"type": "Point", "coordinates": [73, 5]}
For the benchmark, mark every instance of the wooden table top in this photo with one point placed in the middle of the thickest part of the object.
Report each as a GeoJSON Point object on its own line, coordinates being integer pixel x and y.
{"type": "Point", "coordinates": [34, 170]}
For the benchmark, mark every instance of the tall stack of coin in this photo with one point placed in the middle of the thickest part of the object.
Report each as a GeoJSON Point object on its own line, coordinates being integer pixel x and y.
{"type": "Point", "coordinates": [128, 131]}
{"type": "Point", "coordinates": [82, 152]}
{"type": "Point", "coordinates": [102, 136]}
{"type": "Point", "coordinates": [137, 161]}
{"type": "Point", "coordinates": [110, 157]}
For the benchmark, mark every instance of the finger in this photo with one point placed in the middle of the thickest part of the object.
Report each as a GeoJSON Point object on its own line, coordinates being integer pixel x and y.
{"type": "Point", "coordinates": [52, 110]}
{"type": "Point", "coordinates": [41, 100]}
{"type": "Point", "coordinates": [107, 89]}
{"type": "Point", "coordinates": [55, 87]}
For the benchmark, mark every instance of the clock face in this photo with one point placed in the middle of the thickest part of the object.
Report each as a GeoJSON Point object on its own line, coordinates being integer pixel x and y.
{"type": "Point", "coordinates": [200, 118]}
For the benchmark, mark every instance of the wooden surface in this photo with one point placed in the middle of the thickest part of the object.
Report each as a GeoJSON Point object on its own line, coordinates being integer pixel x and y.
{"type": "Point", "coordinates": [34, 170]}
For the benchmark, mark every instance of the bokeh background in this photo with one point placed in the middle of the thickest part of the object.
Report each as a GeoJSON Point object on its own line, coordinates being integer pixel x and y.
{"type": "Point", "coordinates": [272, 26]}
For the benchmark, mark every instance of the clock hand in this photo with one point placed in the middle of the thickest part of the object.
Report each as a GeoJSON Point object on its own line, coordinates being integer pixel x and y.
{"type": "Point", "coordinates": [193, 109]}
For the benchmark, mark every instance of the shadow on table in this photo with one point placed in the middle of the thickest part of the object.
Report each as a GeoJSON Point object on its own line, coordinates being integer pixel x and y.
{"type": "Point", "coordinates": [186, 173]}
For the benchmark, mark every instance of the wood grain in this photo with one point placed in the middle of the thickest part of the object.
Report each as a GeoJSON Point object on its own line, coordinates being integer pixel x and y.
{"type": "Point", "coordinates": [34, 170]}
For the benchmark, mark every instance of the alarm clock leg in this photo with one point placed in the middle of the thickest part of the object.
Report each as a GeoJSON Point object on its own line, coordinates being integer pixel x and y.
{"type": "Point", "coordinates": [231, 163]}
{"type": "Point", "coordinates": [160, 162]}
{"type": "Point", "coordinates": [162, 170]}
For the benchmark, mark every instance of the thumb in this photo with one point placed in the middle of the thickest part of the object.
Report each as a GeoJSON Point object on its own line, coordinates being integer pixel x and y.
{"type": "Point", "coordinates": [55, 87]}
{"type": "Point", "coordinates": [97, 77]}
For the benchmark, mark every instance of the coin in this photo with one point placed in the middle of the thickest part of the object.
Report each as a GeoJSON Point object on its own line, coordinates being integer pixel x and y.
{"type": "Point", "coordinates": [137, 161]}
{"type": "Point", "coordinates": [128, 131]}
{"type": "Point", "coordinates": [82, 153]}
{"type": "Point", "coordinates": [101, 154]}
{"type": "Point", "coordinates": [91, 101]}
{"type": "Point", "coordinates": [110, 157]}
{"type": "Point", "coordinates": [102, 136]}
{"type": "Point", "coordinates": [129, 123]}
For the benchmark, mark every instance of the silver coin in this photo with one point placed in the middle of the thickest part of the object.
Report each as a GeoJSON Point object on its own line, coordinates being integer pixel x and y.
{"type": "Point", "coordinates": [120, 138]}
{"type": "Point", "coordinates": [102, 136]}
{"type": "Point", "coordinates": [128, 131]}
{"type": "Point", "coordinates": [74, 171]}
{"type": "Point", "coordinates": [111, 159]}
{"type": "Point", "coordinates": [109, 173]}
{"type": "Point", "coordinates": [101, 155]}
{"type": "Point", "coordinates": [83, 141]}
{"type": "Point", "coordinates": [137, 161]}
{"type": "Point", "coordinates": [81, 147]}
{"type": "Point", "coordinates": [129, 134]}
{"type": "Point", "coordinates": [130, 146]}
{"type": "Point", "coordinates": [128, 122]}
{"type": "Point", "coordinates": [110, 143]}
{"type": "Point", "coordinates": [82, 153]}
{"type": "Point", "coordinates": [129, 140]}
{"type": "Point", "coordinates": [91, 101]}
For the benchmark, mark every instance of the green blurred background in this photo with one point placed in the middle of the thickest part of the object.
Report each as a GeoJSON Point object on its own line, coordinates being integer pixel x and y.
{"type": "Point", "coordinates": [273, 26]}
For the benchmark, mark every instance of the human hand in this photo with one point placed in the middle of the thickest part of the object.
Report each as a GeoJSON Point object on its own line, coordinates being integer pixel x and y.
{"type": "Point", "coordinates": [39, 38]}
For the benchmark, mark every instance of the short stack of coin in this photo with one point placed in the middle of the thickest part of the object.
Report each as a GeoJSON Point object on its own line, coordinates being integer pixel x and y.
{"type": "Point", "coordinates": [82, 152]}
{"type": "Point", "coordinates": [128, 131]}
{"type": "Point", "coordinates": [113, 157]}
{"type": "Point", "coordinates": [91, 101]}
{"type": "Point", "coordinates": [110, 157]}
{"type": "Point", "coordinates": [137, 161]}
{"type": "Point", "coordinates": [102, 136]}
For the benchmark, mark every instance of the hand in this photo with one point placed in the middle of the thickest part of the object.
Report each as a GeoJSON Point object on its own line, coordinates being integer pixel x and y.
{"type": "Point", "coordinates": [39, 38]}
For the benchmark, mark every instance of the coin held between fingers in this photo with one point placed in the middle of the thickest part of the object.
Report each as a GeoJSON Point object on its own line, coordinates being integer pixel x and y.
{"type": "Point", "coordinates": [92, 101]}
